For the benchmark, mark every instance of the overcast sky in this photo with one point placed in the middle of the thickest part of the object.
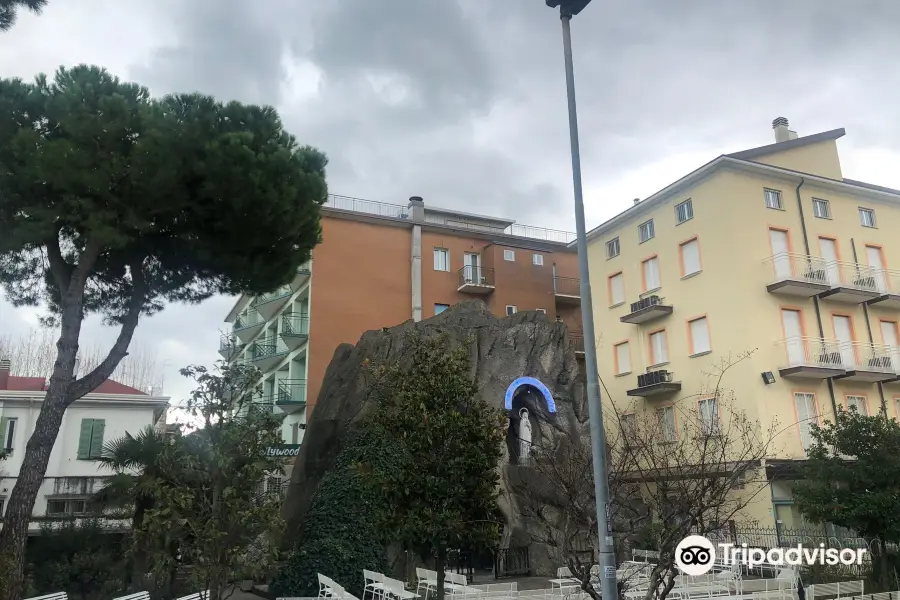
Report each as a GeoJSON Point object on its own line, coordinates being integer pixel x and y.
{"type": "Point", "coordinates": [463, 102]}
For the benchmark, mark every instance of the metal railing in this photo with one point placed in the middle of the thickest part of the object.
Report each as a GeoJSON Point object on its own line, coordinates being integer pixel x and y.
{"type": "Point", "coordinates": [567, 286]}
{"type": "Point", "coordinates": [305, 267]}
{"type": "Point", "coordinates": [813, 352]}
{"type": "Point", "coordinates": [861, 356]}
{"type": "Point", "coordinates": [470, 275]}
{"type": "Point", "coordinates": [264, 348]}
{"type": "Point", "coordinates": [248, 319]}
{"type": "Point", "coordinates": [230, 342]}
{"type": "Point", "coordinates": [294, 324]}
{"type": "Point", "coordinates": [812, 269]}
{"type": "Point", "coordinates": [291, 391]}
{"type": "Point", "coordinates": [799, 267]}
{"type": "Point", "coordinates": [281, 292]}
{"type": "Point", "coordinates": [370, 207]}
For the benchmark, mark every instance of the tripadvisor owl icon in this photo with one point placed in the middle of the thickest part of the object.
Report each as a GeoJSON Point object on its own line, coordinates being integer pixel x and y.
{"type": "Point", "coordinates": [695, 555]}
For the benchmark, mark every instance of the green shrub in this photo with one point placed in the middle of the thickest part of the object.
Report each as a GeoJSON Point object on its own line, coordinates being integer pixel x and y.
{"type": "Point", "coordinates": [337, 537]}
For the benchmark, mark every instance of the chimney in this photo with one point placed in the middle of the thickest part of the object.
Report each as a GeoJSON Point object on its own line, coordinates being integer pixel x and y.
{"type": "Point", "coordinates": [637, 201]}
{"type": "Point", "coordinates": [416, 208]}
{"type": "Point", "coordinates": [5, 368]}
{"type": "Point", "coordinates": [782, 131]}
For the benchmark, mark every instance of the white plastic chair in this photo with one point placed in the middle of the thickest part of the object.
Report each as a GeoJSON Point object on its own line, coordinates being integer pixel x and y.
{"type": "Point", "coordinates": [325, 586]}
{"type": "Point", "coordinates": [427, 580]}
{"type": "Point", "coordinates": [374, 583]}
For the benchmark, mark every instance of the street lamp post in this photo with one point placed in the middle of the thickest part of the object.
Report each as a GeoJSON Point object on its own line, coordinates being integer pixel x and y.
{"type": "Point", "coordinates": [608, 588]}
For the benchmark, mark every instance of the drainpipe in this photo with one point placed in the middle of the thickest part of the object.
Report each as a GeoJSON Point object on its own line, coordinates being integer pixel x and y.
{"type": "Point", "coordinates": [818, 311]}
{"type": "Point", "coordinates": [416, 208]}
{"type": "Point", "coordinates": [869, 329]}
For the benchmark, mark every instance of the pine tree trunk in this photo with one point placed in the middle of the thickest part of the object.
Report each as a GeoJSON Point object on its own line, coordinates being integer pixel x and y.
{"type": "Point", "coordinates": [14, 535]}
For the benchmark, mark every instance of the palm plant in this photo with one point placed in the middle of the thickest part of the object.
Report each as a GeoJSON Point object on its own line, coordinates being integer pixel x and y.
{"type": "Point", "coordinates": [141, 465]}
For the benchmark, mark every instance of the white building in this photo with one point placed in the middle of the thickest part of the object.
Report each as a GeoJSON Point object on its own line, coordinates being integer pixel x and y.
{"type": "Point", "coordinates": [73, 473]}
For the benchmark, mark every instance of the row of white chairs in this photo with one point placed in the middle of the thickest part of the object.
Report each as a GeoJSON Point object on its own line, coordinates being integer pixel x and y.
{"type": "Point", "coordinates": [135, 596]}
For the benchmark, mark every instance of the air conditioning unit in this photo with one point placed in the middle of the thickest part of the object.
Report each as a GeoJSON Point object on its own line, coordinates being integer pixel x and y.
{"type": "Point", "coordinates": [654, 301]}
{"type": "Point", "coordinates": [881, 362]}
{"type": "Point", "coordinates": [831, 359]}
{"type": "Point", "coordinates": [816, 276]}
{"type": "Point", "coordinates": [865, 283]}
{"type": "Point", "coordinates": [665, 376]}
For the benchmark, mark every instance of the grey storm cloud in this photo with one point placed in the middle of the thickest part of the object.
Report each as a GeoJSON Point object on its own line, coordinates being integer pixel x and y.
{"type": "Point", "coordinates": [463, 101]}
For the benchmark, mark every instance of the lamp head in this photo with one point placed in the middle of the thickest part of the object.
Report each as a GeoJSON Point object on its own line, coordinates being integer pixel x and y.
{"type": "Point", "coordinates": [568, 7]}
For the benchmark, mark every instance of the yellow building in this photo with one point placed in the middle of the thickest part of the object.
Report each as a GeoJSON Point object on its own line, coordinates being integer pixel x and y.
{"type": "Point", "coordinates": [769, 250]}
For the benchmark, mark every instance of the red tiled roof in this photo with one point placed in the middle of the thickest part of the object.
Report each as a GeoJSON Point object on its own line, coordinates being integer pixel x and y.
{"type": "Point", "coordinates": [37, 384]}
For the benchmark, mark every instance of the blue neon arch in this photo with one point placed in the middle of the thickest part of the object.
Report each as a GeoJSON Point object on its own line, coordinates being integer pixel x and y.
{"type": "Point", "coordinates": [515, 385]}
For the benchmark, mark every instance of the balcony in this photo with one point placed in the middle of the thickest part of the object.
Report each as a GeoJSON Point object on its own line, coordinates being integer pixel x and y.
{"type": "Point", "coordinates": [266, 353]}
{"type": "Point", "coordinates": [303, 273]}
{"type": "Point", "coordinates": [476, 280]}
{"type": "Point", "coordinates": [229, 345]}
{"type": "Point", "coordinates": [294, 329]}
{"type": "Point", "coordinates": [853, 284]}
{"type": "Point", "coordinates": [888, 284]}
{"type": "Point", "coordinates": [577, 342]}
{"type": "Point", "coordinates": [247, 325]}
{"type": "Point", "coordinates": [646, 310]}
{"type": "Point", "coordinates": [812, 358]}
{"type": "Point", "coordinates": [567, 290]}
{"type": "Point", "coordinates": [798, 275]}
{"type": "Point", "coordinates": [655, 383]}
{"type": "Point", "coordinates": [869, 363]}
{"type": "Point", "coordinates": [271, 303]}
{"type": "Point", "coordinates": [291, 395]}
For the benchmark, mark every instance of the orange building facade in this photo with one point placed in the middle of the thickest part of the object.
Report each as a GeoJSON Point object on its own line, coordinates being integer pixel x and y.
{"type": "Point", "coordinates": [379, 265]}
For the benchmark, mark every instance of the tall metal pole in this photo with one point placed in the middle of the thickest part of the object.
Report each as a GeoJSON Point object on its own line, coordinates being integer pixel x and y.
{"type": "Point", "coordinates": [608, 588]}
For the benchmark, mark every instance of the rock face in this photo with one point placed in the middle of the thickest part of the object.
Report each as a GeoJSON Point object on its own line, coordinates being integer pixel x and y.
{"type": "Point", "coordinates": [502, 350]}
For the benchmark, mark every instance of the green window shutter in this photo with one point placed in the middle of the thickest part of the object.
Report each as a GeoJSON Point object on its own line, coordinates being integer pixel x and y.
{"type": "Point", "coordinates": [4, 423]}
{"type": "Point", "coordinates": [97, 438]}
{"type": "Point", "coordinates": [84, 439]}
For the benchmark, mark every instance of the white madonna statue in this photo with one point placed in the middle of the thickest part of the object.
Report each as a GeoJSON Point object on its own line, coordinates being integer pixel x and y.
{"type": "Point", "coordinates": [524, 435]}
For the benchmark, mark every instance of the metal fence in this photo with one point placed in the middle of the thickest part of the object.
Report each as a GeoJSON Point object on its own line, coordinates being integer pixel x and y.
{"type": "Point", "coordinates": [512, 562]}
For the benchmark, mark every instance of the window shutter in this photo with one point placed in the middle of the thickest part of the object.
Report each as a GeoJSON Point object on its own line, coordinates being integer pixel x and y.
{"type": "Point", "coordinates": [84, 439]}
{"type": "Point", "coordinates": [97, 438]}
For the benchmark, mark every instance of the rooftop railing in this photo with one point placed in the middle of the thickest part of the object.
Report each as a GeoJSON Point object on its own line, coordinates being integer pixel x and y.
{"type": "Point", "coordinates": [398, 211]}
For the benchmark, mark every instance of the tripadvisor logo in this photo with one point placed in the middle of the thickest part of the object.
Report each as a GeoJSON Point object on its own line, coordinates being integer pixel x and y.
{"type": "Point", "coordinates": [696, 555]}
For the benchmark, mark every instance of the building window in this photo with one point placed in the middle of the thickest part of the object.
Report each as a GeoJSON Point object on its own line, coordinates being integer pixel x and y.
{"type": "Point", "coordinates": [807, 416]}
{"type": "Point", "coordinates": [859, 403]}
{"type": "Point", "coordinates": [509, 255]}
{"type": "Point", "coordinates": [537, 260]}
{"type": "Point", "coordinates": [773, 199]}
{"type": "Point", "coordinates": [616, 289]}
{"type": "Point", "coordinates": [699, 343]}
{"type": "Point", "coordinates": [511, 310]}
{"type": "Point", "coordinates": [651, 274]}
{"type": "Point", "coordinates": [867, 217]}
{"type": "Point", "coordinates": [709, 416]}
{"type": "Point", "coordinates": [666, 417]}
{"type": "Point", "coordinates": [690, 257]}
{"type": "Point", "coordinates": [684, 212]}
{"type": "Point", "coordinates": [612, 248]}
{"type": "Point", "coordinates": [439, 308]}
{"type": "Point", "coordinates": [67, 507]}
{"type": "Point", "coordinates": [646, 231]}
{"type": "Point", "coordinates": [8, 431]}
{"type": "Point", "coordinates": [441, 259]}
{"type": "Point", "coordinates": [90, 440]}
{"type": "Point", "coordinates": [622, 358]}
{"type": "Point", "coordinates": [541, 310]}
{"type": "Point", "coordinates": [295, 433]}
{"type": "Point", "coordinates": [659, 348]}
{"type": "Point", "coordinates": [821, 209]}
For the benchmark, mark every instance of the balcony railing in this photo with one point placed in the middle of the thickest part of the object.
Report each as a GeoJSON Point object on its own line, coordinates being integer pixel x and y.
{"type": "Point", "coordinates": [266, 348]}
{"type": "Point", "coordinates": [577, 342]}
{"type": "Point", "coordinates": [801, 275]}
{"type": "Point", "coordinates": [567, 286]}
{"type": "Point", "coordinates": [295, 324]}
{"type": "Point", "coordinates": [229, 345]}
{"type": "Point", "coordinates": [281, 292]}
{"type": "Point", "coordinates": [870, 362]}
{"type": "Point", "coordinates": [370, 207]}
{"type": "Point", "coordinates": [291, 391]}
{"type": "Point", "coordinates": [476, 279]}
{"type": "Point", "coordinates": [249, 319]}
{"type": "Point", "coordinates": [815, 358]}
